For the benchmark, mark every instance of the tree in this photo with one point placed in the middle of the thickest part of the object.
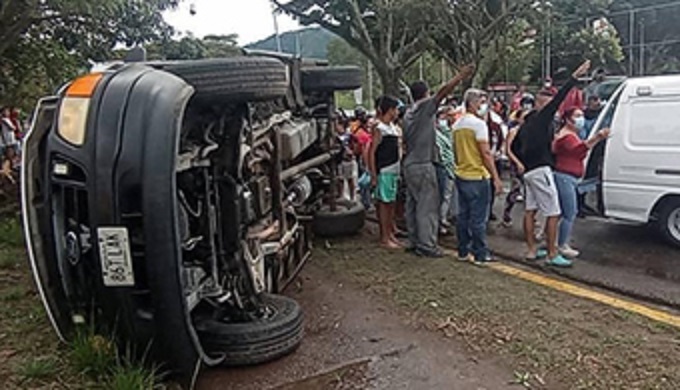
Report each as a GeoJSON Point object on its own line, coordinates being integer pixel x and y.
{"type": "Point", "coordinates": [464, 29]}
{"type": "Point", "coordinates": [45, 42]}
{"type": "Point", "coordinates": [654, 23]}
{"type": "Point", "coordinates": [566, 25]}
{"type": "Point", "coordinates": [192, 48]}
{"type": "Point", "coordinates": [390, 33]}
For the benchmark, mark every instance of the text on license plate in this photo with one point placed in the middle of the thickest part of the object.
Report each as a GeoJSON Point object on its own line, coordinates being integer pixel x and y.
{"type": "Point", "coordinates": [114, 252]}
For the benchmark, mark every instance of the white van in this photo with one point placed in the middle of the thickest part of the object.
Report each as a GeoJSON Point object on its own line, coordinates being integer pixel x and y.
{"type": "Point", "coordinates": [639, 166]}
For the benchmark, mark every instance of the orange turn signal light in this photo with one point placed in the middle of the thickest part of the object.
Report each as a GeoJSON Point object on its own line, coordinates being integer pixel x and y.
{"type": "Point", "coordinates": [84, 86]}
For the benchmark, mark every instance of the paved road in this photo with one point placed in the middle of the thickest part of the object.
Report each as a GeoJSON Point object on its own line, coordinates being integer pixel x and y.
{"type": "Point", "coordinates": [627, 258]}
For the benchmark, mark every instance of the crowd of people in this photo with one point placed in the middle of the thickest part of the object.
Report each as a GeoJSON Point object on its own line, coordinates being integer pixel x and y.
{"type": "Point", "coordinates": [441, 162]}
{"type": "Point", "coordinates": [11, 133]}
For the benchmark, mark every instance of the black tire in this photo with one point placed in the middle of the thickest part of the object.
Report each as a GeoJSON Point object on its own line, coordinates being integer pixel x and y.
{"type": "Point", "coordinates": [348, 218]}
{"type": "Point", "coordinates": [669, 221]}
{"type": "Point", "coordinates": [258, 341]}
{"type": "Point", "coordinates": [341, 78]}
{"type": "Point", "coordinates": [234, 79]}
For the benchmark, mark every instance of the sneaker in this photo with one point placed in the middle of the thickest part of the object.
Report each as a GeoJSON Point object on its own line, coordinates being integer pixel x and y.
{"type": "Point", "coordinates": [467, 258]}
{"type": "Point", "coordinates": [540, 254]}
{"type": "Point", "coordinates": [482, 262]}
{"type": "Point", "coordinates": [569, 252]}
{"type": "Point", "coordinates": [559, 261]}
{"type": "Point", "coordinates": [436, 254]}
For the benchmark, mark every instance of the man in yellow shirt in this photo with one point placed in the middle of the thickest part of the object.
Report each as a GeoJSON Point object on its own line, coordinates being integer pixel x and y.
{"type": "Point", "coordinates": [474, 168]}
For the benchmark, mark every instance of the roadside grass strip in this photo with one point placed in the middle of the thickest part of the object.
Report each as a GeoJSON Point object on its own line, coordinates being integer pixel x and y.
{"type": "Point", "coordinates": [646, 311]}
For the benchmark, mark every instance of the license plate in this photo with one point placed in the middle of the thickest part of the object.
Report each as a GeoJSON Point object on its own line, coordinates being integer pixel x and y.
{"type": "Point", "coordinates": [114, 252]}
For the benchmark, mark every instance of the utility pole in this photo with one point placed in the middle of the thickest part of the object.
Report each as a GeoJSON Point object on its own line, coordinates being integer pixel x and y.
{"type": "Point", "coordinates": [276, 29]}
{"type": "Point", "coordinates": [548, 54]}
{"type": "Point", "coordinates": [443, 71]}
{"type": "Point", "coordinates": [369, 70]}
{"type": "Point", "coordinates": [642, 47]}
{"type": "Point", "coordinates": [422, 65]}
{"type": "Point", "coordinates": [631, 41]}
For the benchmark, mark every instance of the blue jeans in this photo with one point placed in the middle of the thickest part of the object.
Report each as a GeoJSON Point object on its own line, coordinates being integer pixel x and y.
{"type": "Point", "coordinates": [567, 188]}
{"type": "Point", "coordinates": [474, 199]}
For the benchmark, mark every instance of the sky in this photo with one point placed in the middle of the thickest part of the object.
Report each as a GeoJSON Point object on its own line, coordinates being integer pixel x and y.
{"type": "Point", "coordinates": [251, 19]}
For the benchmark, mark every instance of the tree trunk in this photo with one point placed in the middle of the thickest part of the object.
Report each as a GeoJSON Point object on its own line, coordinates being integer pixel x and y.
{"type": "Point", "coordinates": [389, 78]}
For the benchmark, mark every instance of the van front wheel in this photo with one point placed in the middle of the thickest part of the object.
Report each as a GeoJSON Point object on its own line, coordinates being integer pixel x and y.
{"type": "Point", "coordinates": [669, 221]}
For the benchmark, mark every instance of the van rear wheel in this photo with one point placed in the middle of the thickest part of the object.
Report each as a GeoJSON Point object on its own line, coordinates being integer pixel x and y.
{"type": "Point", "coordinates": [669, 221]}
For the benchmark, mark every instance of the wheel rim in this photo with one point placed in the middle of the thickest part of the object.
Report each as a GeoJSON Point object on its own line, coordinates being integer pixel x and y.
{"type": "Point", "coordinates": [674, 224]}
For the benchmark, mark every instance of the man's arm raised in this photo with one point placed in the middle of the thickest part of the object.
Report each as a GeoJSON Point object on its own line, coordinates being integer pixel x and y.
{"type": "Point", "coordinates": [465, 73]}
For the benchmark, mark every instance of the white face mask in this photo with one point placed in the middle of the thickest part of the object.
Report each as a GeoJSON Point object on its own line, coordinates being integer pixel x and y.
{"type": "Point", "coordinates": [483, 109]}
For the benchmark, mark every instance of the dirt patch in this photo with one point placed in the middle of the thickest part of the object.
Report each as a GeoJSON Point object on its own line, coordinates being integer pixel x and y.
{"type": "Point", "coordinates": [552, 340]}
{"type": "Point", "coordinates": [358, 340]}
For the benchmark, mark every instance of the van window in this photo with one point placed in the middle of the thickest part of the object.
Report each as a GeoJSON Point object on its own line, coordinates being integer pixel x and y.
{"type": "Point", "coordinates": [607, 116]}
{"type": "Point", "coordinates": [655, 122]}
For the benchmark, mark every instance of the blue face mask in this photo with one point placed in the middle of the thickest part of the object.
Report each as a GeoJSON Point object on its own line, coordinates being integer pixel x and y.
{"type": "Point", "coordinates": [580, 122]}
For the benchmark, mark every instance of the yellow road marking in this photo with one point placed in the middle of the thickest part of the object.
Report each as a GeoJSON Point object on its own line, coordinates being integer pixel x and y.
{"type": "Point", "coordinates": [654, 314]}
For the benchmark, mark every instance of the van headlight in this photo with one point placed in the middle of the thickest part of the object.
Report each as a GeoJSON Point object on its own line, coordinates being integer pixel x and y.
{"type": "Point", "coordinates": [72, 122]}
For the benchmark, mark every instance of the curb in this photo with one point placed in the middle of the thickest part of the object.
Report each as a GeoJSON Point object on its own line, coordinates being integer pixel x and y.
{"type": "Point", "coordinates": [588, 282]}
{"type": "Point", "coordinates": [593, 283]}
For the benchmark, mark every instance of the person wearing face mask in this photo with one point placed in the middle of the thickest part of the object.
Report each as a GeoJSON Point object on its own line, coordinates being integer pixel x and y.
{"type": "Point", "coordinates": [475, 166]}
{"type": "Point", "coordinates": [548, 86]}
{"type": "Point", "coordinates": [570, 152]}
{"type": "Point", "coordinates": [495, 124]}
{"type": "Point", "coordinates": [533, 147]}
{"type": "Point", "coordinates": [445, 166]}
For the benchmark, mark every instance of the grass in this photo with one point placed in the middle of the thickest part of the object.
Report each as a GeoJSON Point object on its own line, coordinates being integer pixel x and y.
{"type": "Point", "coordinates": [565, 341]}
{"type": "Point", "coordinates": [37, 369]}
{"type": "Point", "coordinates": [92, 354]}
{"type": "Point", "coordinates": [31, 356]}
{"type": "Point", "coordinates": [11, 234]}
{"type": "Point", "coordinates": [131, 377]}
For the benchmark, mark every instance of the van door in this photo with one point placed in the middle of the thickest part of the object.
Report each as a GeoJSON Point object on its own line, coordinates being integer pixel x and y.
{"type": "Point", "coordinates": [642, 159]}
{"type": "Point", "coordinates": [591, 185]}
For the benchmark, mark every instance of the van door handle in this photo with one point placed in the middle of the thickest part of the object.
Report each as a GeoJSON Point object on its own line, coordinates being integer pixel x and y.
{"type": "Point", "coordinates": [672, 172]}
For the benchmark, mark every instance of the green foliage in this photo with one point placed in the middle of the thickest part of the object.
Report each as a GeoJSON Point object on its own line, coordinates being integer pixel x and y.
{"type": "Point", "coordinates": [391, 34]}
{"type": "Point", "coordinates": [191, 48]}
{"type": "Point", "coordinates": [44, 43]}
{"type": "Point", "coordinates": [37, 369]}
{"type": "Point", "coordinates": [92, 354]}
{"type": "Point", "coordinates": [11, 235]}
{"type": "Point", "coordinates": [97, 357]}
{"type": "Point", "coordinates": [127, 376]}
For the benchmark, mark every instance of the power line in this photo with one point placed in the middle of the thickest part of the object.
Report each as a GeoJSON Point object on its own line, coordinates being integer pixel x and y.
{"type": "Point", "coordinates": [622, 12]}
{"type": "Point", "coordinates": [647, 8]}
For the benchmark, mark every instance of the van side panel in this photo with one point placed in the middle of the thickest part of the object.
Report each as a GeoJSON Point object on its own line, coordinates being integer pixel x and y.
{"type": "Point", "coordinates": [642, 160]}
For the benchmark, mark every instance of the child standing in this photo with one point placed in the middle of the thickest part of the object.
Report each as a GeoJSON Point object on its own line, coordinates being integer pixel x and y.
{"type": "Point", "coordinates": [384, 165]}
{"type": "Point", "coordinates": [348, 172]}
